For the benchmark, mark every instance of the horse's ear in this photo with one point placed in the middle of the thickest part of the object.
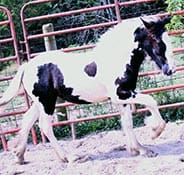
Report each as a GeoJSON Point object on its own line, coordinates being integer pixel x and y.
{"type": "Point", "coordinates": [166, 20]}
{"type": "Point", "coordinates": [150, 22]}
{"type": "Point", "coordinates": [147, 23]}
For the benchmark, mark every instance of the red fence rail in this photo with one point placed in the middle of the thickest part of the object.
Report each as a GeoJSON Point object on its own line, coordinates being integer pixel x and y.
{"type": "Point", "coordinates": [28, 38]}
{"type": "Point", "coordinates": [117, 5]}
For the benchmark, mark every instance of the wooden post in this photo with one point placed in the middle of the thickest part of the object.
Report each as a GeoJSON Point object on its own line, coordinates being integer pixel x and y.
{"type": "Point", "coordinates": [49, 41]}
{"type": "Point", "coordinates": [50, 44]}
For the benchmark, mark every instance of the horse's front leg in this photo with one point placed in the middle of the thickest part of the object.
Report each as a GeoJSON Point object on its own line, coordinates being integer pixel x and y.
{"type": "Point", "coordinates": [132, 144]}
{"type": "Point", "coordinates": [151, 104]}
{"type": "Point", "coordinates": [18, 144]}
{"type": "Point", "coordinates": [158, 125]}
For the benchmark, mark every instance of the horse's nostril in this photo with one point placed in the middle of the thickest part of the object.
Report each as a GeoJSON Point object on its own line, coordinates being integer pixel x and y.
{"type": "Point", "coordinates": [169, 72]}
{"type": "Point", "coordinates": [166, 70]}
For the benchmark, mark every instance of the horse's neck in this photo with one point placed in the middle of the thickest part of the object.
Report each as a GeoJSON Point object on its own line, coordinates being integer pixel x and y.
{"type": "Point", "coordinates": [129, 79]}
{"type": "Point", "coordinates": [113, 51]}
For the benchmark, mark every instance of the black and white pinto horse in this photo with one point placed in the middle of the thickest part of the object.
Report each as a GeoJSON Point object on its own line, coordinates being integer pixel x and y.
{"type": "Point", "coordinates": [110, 70]}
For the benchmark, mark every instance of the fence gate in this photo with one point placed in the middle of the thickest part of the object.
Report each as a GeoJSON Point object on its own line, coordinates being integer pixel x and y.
{"type": "Point", "coordinates": [116, 7]}
{"type": "Point", "coordinates": [9, 54]}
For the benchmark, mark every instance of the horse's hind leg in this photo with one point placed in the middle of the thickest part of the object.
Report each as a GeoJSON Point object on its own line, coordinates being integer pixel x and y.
{"type": "Point", "coordinates": [18, 144]}
{"type": "Point", "coordinates": [45, 124]}
{"type": "Point", "coordinates": [132, 144]}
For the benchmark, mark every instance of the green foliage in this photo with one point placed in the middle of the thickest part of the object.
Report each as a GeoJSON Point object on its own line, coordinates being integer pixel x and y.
{"type": "Point", "coordinates": [177, 22]}
{"type": "Point", "coordinates": [142, 9]}
{"type": "Point", "coordinates": [175, 5]}
{"type": "Point", "coordinates": [83, 111]}
{"type": "Point", "coordinates": [62, 131]}
{"type": "Point", "coordinates": [96, 126]}
{"type": "Point", "coordinates": [173, 114]}
{"type": "Point", "coordinates": [168, 97]}
{"type": "Point", "coordinates": [14, 7]}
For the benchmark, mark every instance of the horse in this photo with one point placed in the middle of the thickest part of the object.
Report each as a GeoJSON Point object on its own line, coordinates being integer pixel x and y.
{"type": "Point", "coordinates": [109, 71]}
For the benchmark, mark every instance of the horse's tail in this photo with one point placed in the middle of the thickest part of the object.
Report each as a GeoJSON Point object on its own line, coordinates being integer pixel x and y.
{"type": "Point", "coordinates": [14, 86]}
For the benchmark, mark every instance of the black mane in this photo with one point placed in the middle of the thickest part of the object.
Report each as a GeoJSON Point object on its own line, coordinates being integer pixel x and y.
{"type": "Point", "coordinates": [127, 83]}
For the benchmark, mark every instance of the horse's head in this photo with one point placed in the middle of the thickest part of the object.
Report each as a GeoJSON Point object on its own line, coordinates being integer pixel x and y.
{"type": "Point", "coordinates": [154, 40]}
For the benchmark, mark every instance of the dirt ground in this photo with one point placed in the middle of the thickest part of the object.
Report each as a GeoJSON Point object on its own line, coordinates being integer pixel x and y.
{"type": "Point", "coordinates": [106, 156]}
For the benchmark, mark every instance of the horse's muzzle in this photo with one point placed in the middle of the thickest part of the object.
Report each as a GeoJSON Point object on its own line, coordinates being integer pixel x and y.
{"type": "Point", "coordinates": [167, 70]}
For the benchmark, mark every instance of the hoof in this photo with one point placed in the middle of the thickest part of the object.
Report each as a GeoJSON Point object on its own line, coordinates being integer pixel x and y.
{"type": "Point", "coordinates": [20, 161]}
{"type": "Point", "coordinates": [62, 158]}
{"type": "Point", "coordinates": [19, 154]}
{"type": "Point", "coordinates": [182, 159]}
{"type": "Point", "coordinates": [79, 159]}
{"type": "Point", "coordinates": [150, 153]}
{"type": "Point", "coordinates": [143, 151]}
{"type": "Point", "coordinates": [158, 130]}
{"type": "Point", "coordinates": [134, 152]}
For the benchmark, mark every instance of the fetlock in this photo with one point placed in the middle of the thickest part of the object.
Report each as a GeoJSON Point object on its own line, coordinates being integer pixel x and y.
{"type": "Point", "coordinates": [19, 154]}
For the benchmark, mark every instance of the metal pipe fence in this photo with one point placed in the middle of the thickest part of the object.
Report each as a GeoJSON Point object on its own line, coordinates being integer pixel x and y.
{"type": "Point", "coordinates": [30, 37]}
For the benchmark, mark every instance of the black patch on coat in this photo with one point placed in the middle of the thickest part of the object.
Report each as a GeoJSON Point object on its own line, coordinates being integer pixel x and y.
{"type": "Point", "coordinates": [127, 83]}
{"type": "Point", "coordinates": [91, 69]}
{"type": "Point", "coordinates": [50, 85]}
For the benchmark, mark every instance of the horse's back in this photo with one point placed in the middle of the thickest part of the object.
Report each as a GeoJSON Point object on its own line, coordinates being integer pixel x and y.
{"type": "Point", "coordinates": [74, 71]}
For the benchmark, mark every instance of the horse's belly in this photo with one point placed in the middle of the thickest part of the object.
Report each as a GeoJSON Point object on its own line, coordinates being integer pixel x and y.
{"type": "Point", "coordinates": [91, 91]}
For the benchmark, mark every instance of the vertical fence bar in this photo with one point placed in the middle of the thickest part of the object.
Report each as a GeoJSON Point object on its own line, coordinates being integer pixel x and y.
{"type": "Point", "coordinates": [117, 9]}
{"type": "Point", "coordinates": [4, 143]}
{"type": "Point", "coordinates": [16, 58]}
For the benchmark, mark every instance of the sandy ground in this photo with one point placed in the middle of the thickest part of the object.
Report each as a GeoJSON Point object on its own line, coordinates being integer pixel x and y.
{"type": "Point", "coordinates": [106, 156]}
